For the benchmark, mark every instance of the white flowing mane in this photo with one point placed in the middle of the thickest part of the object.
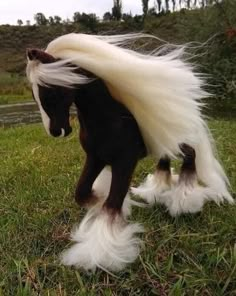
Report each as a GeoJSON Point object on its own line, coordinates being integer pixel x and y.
{"type": "Point", "coordinates": [59, 73]}
{"type": "Point", "coordinates": [160, 90]}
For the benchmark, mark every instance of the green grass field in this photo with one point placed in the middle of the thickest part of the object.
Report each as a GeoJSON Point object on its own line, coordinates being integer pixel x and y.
{"type": "Point", "coordinates": [189, 255]}
{"type": "Point", "coordinates": [13, 89]}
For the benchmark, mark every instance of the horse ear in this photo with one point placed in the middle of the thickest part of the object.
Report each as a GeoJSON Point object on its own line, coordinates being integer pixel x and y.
{"type": "Point", "coordinates": [40, 55]}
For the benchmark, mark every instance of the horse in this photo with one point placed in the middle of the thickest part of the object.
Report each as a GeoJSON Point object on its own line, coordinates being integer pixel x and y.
{"type": "Point", "coordinates": [129, 105]}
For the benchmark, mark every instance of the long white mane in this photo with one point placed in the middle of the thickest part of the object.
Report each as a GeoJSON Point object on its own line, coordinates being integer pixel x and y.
{"type": "Point", "coordinates": [161, 91]}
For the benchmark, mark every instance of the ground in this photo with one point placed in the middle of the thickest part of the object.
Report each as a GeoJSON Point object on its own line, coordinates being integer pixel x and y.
{"type": "Point", "coordinates": [189, 255]}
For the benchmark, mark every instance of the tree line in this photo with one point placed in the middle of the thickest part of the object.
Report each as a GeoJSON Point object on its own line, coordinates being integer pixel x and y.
{"type": "Point", "coordinates": [116, 13]}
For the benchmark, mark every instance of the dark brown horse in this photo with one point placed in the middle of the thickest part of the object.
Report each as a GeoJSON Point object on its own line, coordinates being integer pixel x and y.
{"type": "Point", "coordinates": [111, 136]}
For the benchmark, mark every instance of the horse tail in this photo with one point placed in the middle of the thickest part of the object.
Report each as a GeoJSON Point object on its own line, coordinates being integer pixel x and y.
{"type": "Point", "coordinates": [209, 169]}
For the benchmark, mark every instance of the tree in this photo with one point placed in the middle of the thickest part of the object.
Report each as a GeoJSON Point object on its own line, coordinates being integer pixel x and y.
{"type": "Point", "coordinates": [88, 20]}
{"type": "Point", "coordinates": [51, 20]}
{"type": "Point", "coordinates": [117, 9]}
{"type": "Point", "coordinates": [167, 5]}
{"type": "Point", "coordinates": [127, 17]}
{"type": "Point", "coordinates": [77, 17]}
{"type": "Point", "coordinates": [19, 22]}
{"type": "Point", "coordinates": [159, 3]}
{"type": "Point", "coordinates": [152, 11]}
{"type": "Point", "coordinates": [92, 21]}
{"type": "Point", "coordinates": [107, 16]}
{"type": "Point", "coordinates": [174, 4]}
{"type": "Point", "coordinates": [40, 19]}
{"type": "Point", "coordinates": [57, 19]}
{"type": "Point", "coordinates": [66, 21]}
{"type": "Point", "coordinates": [145, 7]}
{"type": "Point", "coordinates": [188, 3]}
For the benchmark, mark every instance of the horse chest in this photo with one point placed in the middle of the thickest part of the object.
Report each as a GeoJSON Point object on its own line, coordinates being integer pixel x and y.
{"type": "Point", "coordinates": [107, 127]}
{"type": "Point", "coordinates": [100, 137]}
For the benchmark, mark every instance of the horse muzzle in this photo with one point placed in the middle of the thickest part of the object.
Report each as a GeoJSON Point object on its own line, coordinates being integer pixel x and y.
{"type": "Point", "coordinates": [60, 132]}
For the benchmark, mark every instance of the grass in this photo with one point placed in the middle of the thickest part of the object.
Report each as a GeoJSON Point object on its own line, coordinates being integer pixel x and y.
{"type": "Point", "coordinates": [13, 88]}
{"type": "Point", "coordinates": [14, 99]}
{"type": "Point", "coordinates": [189, 255]}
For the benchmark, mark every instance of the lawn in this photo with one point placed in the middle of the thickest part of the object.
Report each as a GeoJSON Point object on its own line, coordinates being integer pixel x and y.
{"type": "Point", "coordinates": [189, 255]}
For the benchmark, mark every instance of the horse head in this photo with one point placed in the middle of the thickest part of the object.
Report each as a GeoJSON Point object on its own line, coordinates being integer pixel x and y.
{"type": "Point", "coordinates": [53, 100]}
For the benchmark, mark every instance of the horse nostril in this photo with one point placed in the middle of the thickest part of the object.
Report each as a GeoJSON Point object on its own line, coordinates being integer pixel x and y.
{"type": "Point", "coordinates": [55, 132]}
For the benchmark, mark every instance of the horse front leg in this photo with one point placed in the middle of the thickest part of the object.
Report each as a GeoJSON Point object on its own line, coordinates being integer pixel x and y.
{"type": "Point", "coordinates": [121, 172]}
{"type": "Point", "coordinates": [84, 194]}
{"type": "Point", "coordinates": [104, 239]}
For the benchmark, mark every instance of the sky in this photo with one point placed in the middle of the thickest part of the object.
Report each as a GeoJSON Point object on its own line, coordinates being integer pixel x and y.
{"type": "Point", "coordinates": [12, 10]}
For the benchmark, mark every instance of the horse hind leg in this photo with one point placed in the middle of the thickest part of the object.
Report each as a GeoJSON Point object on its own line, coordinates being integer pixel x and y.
{"type": "Point", "coordinates": [153, 189]}
{"type": "Point", "coordinates": [187, 196]}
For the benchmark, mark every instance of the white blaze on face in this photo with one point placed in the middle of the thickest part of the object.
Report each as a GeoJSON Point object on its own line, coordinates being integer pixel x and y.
{"type": "Point", "coordinates": [32, 75]}
{"type": "Point", "coordinates": [45, 118]}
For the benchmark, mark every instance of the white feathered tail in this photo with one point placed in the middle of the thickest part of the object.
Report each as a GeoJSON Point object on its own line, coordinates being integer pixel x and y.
{"type": "Point", "coordinates": [161, 91]}
{"type": "Point", "coordinates": [209, 170]}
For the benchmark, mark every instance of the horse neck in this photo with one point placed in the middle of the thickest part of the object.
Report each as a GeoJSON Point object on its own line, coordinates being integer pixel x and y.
{"type": "Point", "coordinates": [93, 99]}
{"type": "Point", "coordinates": [96, 106]}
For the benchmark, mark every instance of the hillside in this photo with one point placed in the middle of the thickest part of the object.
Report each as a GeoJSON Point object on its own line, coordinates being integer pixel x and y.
{"type": "Point", "coordinates": [215, 27]}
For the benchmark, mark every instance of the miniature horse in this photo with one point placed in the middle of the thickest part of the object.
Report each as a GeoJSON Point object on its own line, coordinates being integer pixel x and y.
{"type": "Point", "coordinates": [111, 136]}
